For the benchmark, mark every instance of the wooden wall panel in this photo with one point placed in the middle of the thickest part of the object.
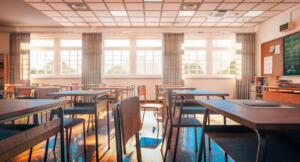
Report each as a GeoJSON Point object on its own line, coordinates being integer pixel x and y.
{"type": "Point", "coordinates": [277, 68]}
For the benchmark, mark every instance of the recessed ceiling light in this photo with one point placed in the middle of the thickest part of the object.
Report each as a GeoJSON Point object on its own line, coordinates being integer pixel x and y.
{"type": "Point", "coordinates": [189, 7]}
{"type": "Point", "coordinates": [186, 13]}
{"type": "Point", "coordinates": [118, 13]}
{"type": "Point", "coordinates": [153, 0]}
{"type": "Point", "coordinates": [79, 6]}
{"type": "Point", "coordinates": [253, 13]}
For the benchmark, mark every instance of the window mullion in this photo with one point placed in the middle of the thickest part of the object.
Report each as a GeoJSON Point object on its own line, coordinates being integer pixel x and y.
{"type": "Point", "coordinates": [57, 67]}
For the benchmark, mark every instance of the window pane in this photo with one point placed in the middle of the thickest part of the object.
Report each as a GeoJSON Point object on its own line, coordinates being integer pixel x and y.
{"type": "Point", "coordinates": [148, 43]}
{"type": "Point", "coordinates": [70, 43]}
{"type": "Point", "coordinates": [70, 62]}
{"type": "Point", "coordinates": [149, 62]}
{"type": "Point", "coordinates": [117, 43]}
{"type": "Point", "coordinates": [41, 43]}
{"type": "Point", "coordinates": [41, 62]}
{"type": "Point", "coordinates": [194, 43]}
{"type": "Point", "coordinates": [223, 43]}
{"type": "Point", "coordinates": [224, 62]}
{"type": "Point", "coordinates": [194, 62]}
{"type": "Point", "coordinates": [116, 61]}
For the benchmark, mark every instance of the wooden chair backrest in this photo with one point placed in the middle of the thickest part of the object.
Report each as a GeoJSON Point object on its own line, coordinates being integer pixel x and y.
{"type": "Point", "coordinates": [24, 93]}
{"type": "Point", "coordinates": [142, 91]}
{"type": "Point", "coordinates": [10, 89]}
{"type": "Point", "coordinates": [128, 123]}
{"type": "Point", "coordinates": [75, 87]}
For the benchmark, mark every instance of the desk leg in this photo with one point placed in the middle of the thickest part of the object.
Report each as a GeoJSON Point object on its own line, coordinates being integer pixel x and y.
{"type": "Point", "coordinates": [202, 140]}
{"type": "Point", "coordinates": [262, 146]}
{"type": "Point", "coordinates": [62, 135]}
{"type": "Point", "coordinates": [107, 117]}
{"type": "Point", "coordinates": [96, 134]}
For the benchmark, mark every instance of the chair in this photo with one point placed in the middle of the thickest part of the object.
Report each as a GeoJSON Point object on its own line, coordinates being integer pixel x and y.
{"type": "Point", "coordinates": [159, 96]}
{"type": "Point", "coordinates": [10, 91]}
{"type": "Point", "coordinates": [178, 122]}
{"type": "Point", "coordinates": [127, 121]}
{"type": "Point", "coordinates": [152, 106]}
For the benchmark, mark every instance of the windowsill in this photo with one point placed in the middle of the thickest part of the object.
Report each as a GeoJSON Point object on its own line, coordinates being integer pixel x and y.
{"type": "Point", "coordinates": [209, 76]}
{"type": "Point", "coordinates": [132, 76]}
{"type": "Point", "coordinates": [57, 76]}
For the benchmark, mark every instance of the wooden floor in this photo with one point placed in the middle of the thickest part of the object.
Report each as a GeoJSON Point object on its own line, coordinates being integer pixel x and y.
{"type": "Point", "coordinates": [150, 142]}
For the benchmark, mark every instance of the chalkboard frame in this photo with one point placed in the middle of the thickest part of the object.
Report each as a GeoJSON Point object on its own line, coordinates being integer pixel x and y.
{"type": "Point", "coordinates": [284, 53]}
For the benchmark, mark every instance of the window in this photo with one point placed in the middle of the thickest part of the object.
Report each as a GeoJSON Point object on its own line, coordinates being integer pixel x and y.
{"type": "Point", "coordinates": [194, 62]}
{"type": "Point", "coordinates": [55, 56]}
{"type": "Point", "coordinates": [149, 57]}
{"type": "Point", "coordinates": [116, 61]}
{"type": "Point", "coordinates": [224, 62]}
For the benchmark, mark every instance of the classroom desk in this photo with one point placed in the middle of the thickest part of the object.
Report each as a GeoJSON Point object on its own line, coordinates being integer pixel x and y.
{"type": "Point", "coordinates": [14, 109]}
{"type": "Point", "coordinates": [261, 120]}
{"type": "Point", "coordinates": [95, 94]}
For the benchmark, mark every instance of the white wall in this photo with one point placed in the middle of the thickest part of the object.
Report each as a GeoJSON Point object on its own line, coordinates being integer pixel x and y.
{"type": "Point", "coordinates": [269, 30]}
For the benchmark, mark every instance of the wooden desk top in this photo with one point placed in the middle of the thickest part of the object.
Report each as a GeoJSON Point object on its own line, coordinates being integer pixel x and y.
{"type": "Point", "coordinates": [13, 108]}
{"type": "Point", "coordinates": [257, 118]}
{"type": "Point", "coordinates": [199, 93]}
{"type": "Point", "coordinates": [79, 93]}
{"type": "Point", "coordinates": [282, 88]}
{"type": "Point", "coordinates": [178, 88]}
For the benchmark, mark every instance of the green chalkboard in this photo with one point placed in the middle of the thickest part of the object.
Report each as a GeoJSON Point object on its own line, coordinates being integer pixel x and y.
{"type": "Point", "coordinates": [291, 55]}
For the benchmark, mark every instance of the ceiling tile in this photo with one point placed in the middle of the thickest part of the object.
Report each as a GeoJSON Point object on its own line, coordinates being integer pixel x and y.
{"type": "Point", "coordinates": [194, 24]}
{"type": "Point", "coordinates": [134, 6]}
{"type": "Point", "coordinates": [167, 19]}
{"type": "Point", "coordinates": [228, 6]}
{"type": "Point", "coordinates": [173, 0]}
{"type": "Point", "coordinates": [202, 13]}
{"type": "Point", "coordinates": [171, 6]}
{"type": "Point", "coordinates": [236, 24]}
{"type": "Point", "coordinates": [244, 19]}
{"type": "Point", "coordinates": [112, 0]}
{"type": "Point", "coordinates": [97, 6]}
{"type": "Point", "coordinates": [208, 24]}
{"type": "Point", "coordinates": [95, 24]}
{"type": "Point", "coordinates": [291, 0]}
{"type": "Point", "coordinates": [283, 6]}
{"type": "Point", "coordinates": [152, 24]}
{"type": "Point", "coordinates": [86, 13]}
{"type": "Point", "coordinates": [228, 19]}
{"type": "Point", "coordinates": [150, 19]}
{"type": "Point", "coordinates": [135, 13]}
{"type": "Point", "coordinates": [106, 19]}
{"type": "Point", "coordinates": [33, 0]}
{"type": "Point", "coordinates": [68, 13]}
{"type": "Point", "coordinates": [253, 0]}
{"type": "Point", "coordinates": [152, 13]}
{"type": "Point", "coordinates": [60, 6]}
{"type": "Point", "coordinates": [180, 24]}
{"type": "Point", "coordinates": [272, 0]}
{"type": "Point", "coordinates": [169, 13]}
{"type": "Point", "coordinates": [153, 5]}
{"type": "Point", "coordinates": [136, 19]}
{"type": "Point", "coordinates": [60, 19]}
{"type": "Point", "coordinates": [137, 24]}
{"type": "Point", "coordinates": [263, 6]}
{"type": "Point", "coordinates": [208, 6]}
{"type": "Point", "coordinates": [245, 6]}
{"type": "Point", "coordinates": [165, 24]}
{"type": "Point", "coordinates": [73, 0]}
{"type": "Point", "coordinates": [133, 0]}
{"type": "Point", "coordinates": [51, 13]}
{"type": "Point", "coordinates": [222, 24]}
{"type": "Point", "coordinates": [102, 13]}
{"type": "Point", "coordinates": [41, 6]}
{"type": "Point", "coordinates": [91, 19]}
{"type": "Point", "coordinates": [93, 0]}
{"type": "Point", "coordinates": [270, 13]}
{"type": "Point", "coordinates": [53, 0]}
{"type": "Point", "coordinates": [193, 0]}
{"type": "Point", "coordinates": [213, 19]}
{"type": "Point", "coordinates": [237, 13]}
{"type": "Point", "coordinates": [81, 24]}
{"type": "Point", "coordinates": [213, 0]}
{"type": "Point", "coordinates": [75, 19]}
{"type": "Point", "coordinates": [109, 24]}
{"type": "Point", "coordinates": [233, 0]}
{"type": "Point", "coordinates": [121, 19]}
{"type": "Point", "coordinates": [124, 24]}
{"type": "Point", "coordinates": [115, 6]}
{"type": "Point", "coordinates": [198, 19]}
{"type": "Point", "coordinates": [181, 19]}
{"type": "Point", "coordinates": [259, 19]}
{"type": "Point", "coordinates": [67, 24]}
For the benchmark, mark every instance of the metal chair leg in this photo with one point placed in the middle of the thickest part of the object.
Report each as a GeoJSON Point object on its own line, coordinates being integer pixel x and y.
{"type": "Point", "coordinates": [54, 145]}
{"type": "Point", "coordinates": [96, 135]}
{"type": "Point", "coordinates": [67, 145]}
{"type": "Point", "coordinates": [46, 150]}
{"type": "Point", "coordinates": [30, 154]}
{"type": "Point", "coordinates": [168, 142]}
{"type": "Point", "coordinates": [164, 135]}
{"type": "Point", "coordinates": [84, 138]}
{"type": "Point", "coordinates": [196, 148]}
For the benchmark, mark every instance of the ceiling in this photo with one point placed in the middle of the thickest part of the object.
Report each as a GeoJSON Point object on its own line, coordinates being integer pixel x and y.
{"type": "Point", "coordinates": [137, 13]}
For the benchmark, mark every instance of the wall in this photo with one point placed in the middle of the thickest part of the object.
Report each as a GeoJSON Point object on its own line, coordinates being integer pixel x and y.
{"type": "Point", "coordinates": [269, 30]}
{"type": "Point", "coordinates": [4, 42]}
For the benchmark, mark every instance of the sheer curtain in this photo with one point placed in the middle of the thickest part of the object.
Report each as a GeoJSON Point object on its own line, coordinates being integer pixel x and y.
{"type": "Point", "coordinates": [247, 52]}
{"type": "Point", "coordinates": [173, 58]}
{"type": "Point", "coordinates": [91, 58]}
{"type": "Point", "coordinates": [19, 58]}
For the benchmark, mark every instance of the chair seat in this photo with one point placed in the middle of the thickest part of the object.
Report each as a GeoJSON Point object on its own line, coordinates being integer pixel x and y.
{"type": "Point", "coordinates": [153, 106]}
{"type": "Point", "coordinates": [71, 122]}
{"type": "Point", "coordinates": [187, 104]}
{"type": "Point", "coordinates": [4, 133]}
{"type": "Point", "coordinates": [79, 110]}
{"type": "Point", "coordinates": [193, 110]}
{"type": "Point", "coordinates": [187, 122]}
